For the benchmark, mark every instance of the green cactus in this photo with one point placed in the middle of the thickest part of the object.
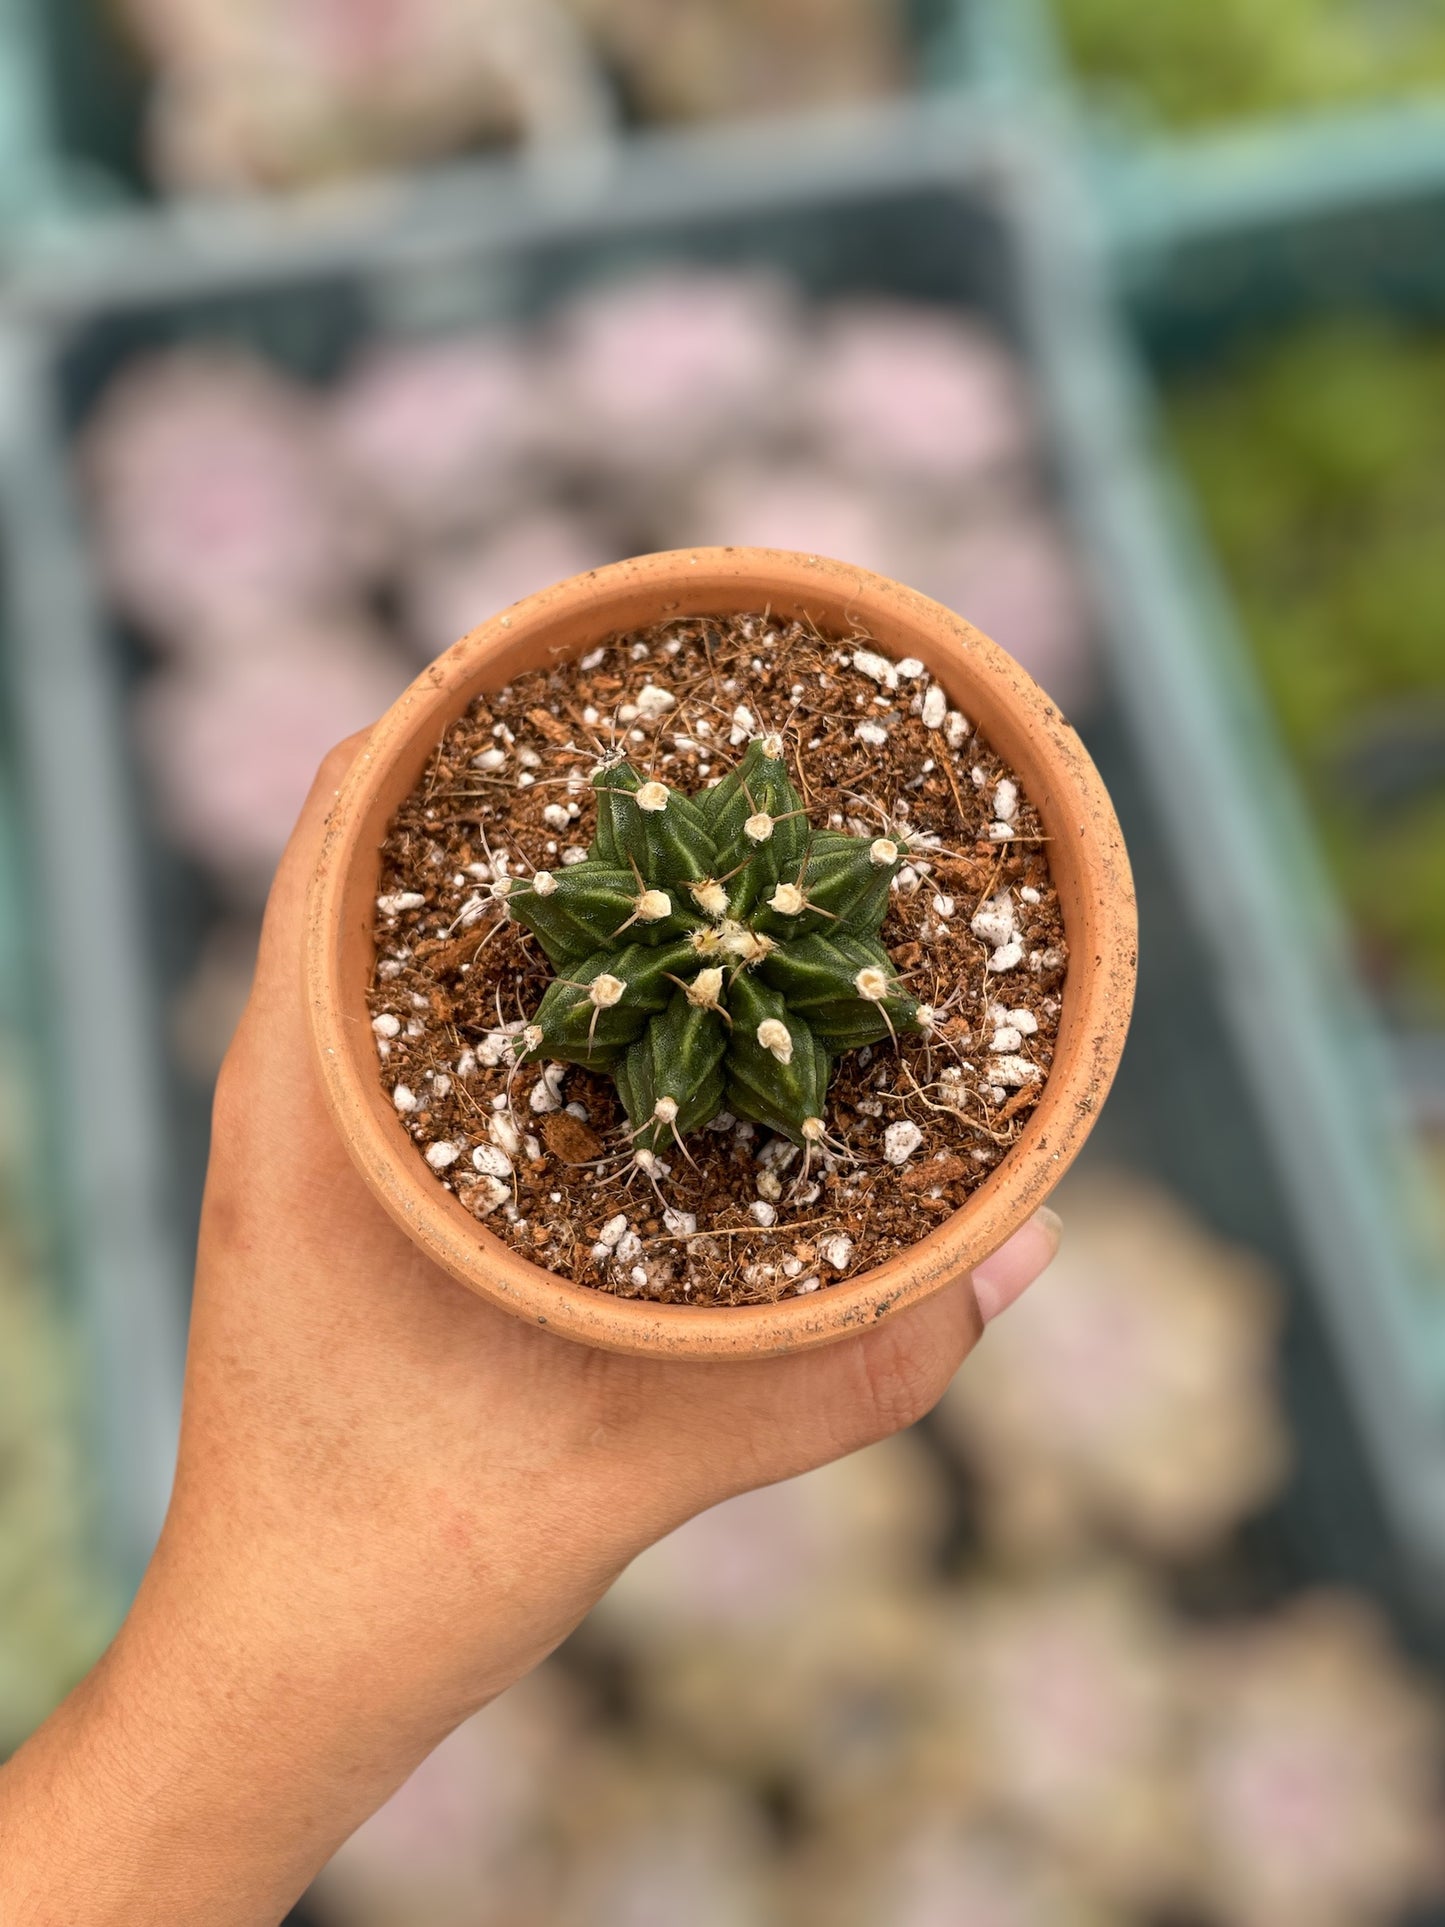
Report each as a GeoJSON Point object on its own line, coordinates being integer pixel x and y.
{"type": "Point", "coordinates": [715, 952]}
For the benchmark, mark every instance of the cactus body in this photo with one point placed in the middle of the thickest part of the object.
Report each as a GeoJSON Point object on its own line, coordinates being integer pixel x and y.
{"type": "Point", "coordinates": [715, 951]}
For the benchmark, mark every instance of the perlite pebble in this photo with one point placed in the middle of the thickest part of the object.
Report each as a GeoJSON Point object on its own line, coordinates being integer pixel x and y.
{"type": "Point", "coordinates": [628, 1248]}
{"type": "Point", "coordinates": [1008, 956]}
{"type": "Point", "coordinates": [956, 729]}
{"type": "Point", "coordinates": [441, 1154]}
{"type": "Point", "coordinates": [574, 853]}
{"type": "Point", "coordinates": [491, 1160]}
{"type": "Point", "coordinates": [614, 1228]}
{"type": "Point", "coordinates": [910, 668]}
{"type": "Point", "coordinates": [404, 1098]}
{"type": "Point", "coordinates": [769, 1187]}
{"type": "Point", "coordinates": [681, 1224]}
{"type": "Point", "coordinates": [557, 816]}
{"type": "Point", "coordinates": [877, 668]}
{"type": "Point", "coordinates": [761, 1212]}
{"type": "Point", "coordinates": [993, 922]}
{"type": "Point", "coordinates": [547, 1091]}
{"type": "Point", "coordinates": [805, 1285]}
{"type": "Point", "coordinates": [901, 1140]}
{"type": "Point", "coordinates": [490, 759]}
{"type": "Point", "coordinates": [399, 900]}
{"type": "Point", "coordinates": [874, 734]}
{"type": "Point", "coordinates": [386, 1025]}
{"type": "Point", "coordinates": [487, 1196]}
{"type": "Point", "coordinates": [1006, 1039]}
{"type": "Point", "coordinates": [935, 707]}
{"type": "Point", "coordinates": [653, 702]}
{"type": "Point", "coordinates": [1013, 1072]}
{"type": "Point", "coordinates": [838, 1251]}
{"type": "Point", "coordinates": [1006, 801]}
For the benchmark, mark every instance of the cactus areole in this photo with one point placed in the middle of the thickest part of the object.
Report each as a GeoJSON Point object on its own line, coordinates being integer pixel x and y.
{"type": "Point", "coordinates": [715, 952]}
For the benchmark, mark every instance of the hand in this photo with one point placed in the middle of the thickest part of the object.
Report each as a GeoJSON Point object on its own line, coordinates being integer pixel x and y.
{"type": "Point", "coordinates": [392, 1500]}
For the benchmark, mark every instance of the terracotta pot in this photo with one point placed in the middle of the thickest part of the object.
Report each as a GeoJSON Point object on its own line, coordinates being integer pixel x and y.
{"type": "Point", "coordinates": [1087, 856]}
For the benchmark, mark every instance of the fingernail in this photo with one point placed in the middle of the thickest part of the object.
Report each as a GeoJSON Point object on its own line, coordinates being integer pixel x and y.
{"type": "Point", "coordinates": [1008, 1272]}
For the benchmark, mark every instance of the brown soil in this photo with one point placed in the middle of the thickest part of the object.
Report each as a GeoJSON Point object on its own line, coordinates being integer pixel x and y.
{"type": "Point", "coordinates": [456, 979]}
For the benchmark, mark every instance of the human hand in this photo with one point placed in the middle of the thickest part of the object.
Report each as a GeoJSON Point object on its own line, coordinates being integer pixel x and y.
{"type": "Point", "coordinates": [392, 1500]}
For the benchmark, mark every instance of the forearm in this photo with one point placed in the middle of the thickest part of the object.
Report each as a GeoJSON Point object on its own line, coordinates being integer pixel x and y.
{"type": "Point", "coordinates": [194, 1778]}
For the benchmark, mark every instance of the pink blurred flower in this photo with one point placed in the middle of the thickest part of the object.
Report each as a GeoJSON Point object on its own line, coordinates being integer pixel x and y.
{"type": "Point", "coordinates": [1318, 1772]}
{"type": "Point", "coordinates": [770, 1555]}
{"type": "Point", "coordinates": [794, 507]}
{"type": "Point", "coordinates": [1016, 579]}
{"type": "Point", "coordinates": [231, 741]}
{"type": "Point", "coordinates": [285, 93]}
{"type": "Point", "coordinates": [946, 1868]}
{"type": "Point", "coordinates": [213, 498]}
{"type": "Point", "coordinates": [913, 393]}
{"type": "Point", "coordinates": [1066, 1696]}
{"type": "Point", "coordinates": [450, 591]}
{"type": "Point", "coordinates": [438, 434]}
{"type": "Point", "coordinates": [1131, 1389]}
{"type": "Point", "coordinates": [662, 370]}
{"type": "Point", "coordinates": [464, 1840]}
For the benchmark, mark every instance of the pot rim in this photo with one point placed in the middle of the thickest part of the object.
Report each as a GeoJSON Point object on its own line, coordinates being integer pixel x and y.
{"type": "Point", "coordinates": [1056, 773]}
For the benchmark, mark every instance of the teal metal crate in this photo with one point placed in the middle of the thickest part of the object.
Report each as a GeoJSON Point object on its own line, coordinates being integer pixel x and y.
{"type": "Point", "coordinates": [1322, 1066]}
{"type": "Point", "coordinates": [73, 94]}
{"type": "Point", "coordinates": [970, 209]}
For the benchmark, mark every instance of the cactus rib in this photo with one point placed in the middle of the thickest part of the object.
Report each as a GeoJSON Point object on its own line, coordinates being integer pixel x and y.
{"type": "Point", "coordinates": [715, 950]}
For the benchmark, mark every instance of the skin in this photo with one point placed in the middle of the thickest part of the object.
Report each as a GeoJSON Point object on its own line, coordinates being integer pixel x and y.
{"type": "Point", "coordinates": [392, 1500]}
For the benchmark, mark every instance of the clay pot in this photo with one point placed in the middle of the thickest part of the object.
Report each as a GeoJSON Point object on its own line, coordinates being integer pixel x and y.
{"type": "Point", "coordinates": [1087, 857]}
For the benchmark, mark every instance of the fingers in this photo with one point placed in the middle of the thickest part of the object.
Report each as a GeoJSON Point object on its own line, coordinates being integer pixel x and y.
{"type": "Point", "coordinates": [1008, 1273]}
{"type": "Point", "coordinates": [909, 1362]}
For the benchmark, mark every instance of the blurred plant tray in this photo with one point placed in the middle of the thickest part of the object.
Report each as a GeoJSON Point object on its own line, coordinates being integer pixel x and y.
{"type": "Point", "coordinates": [1315, 1053]}
{"type": "Point", "coordinates": [74, 88]}
{"type": "Point", "coordinates": [919, 203]}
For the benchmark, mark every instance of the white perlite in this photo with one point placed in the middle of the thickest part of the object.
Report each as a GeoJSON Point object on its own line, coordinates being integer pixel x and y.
{"type": "Point", "coordinates": [874, 734]}
{"type": "Point", "coordinates": [994, 922]}
{"type": "Point", "coordinates": [1013, 1072]}
{"type": "Point", "coordinates": [935, 707]}
{"type": "Point", "coordinates": [441, 1154]}
{"type": "Point", "coordinates": [487, 1197]}
{"type": "Point", "coordinates": [1008, 956]}
{"type": "Point", "coordinates": [1007, 1039]}
{"type": "Point", "coordinates": [386, 1025]}
{"type": "Point", "coordinates": [901, 1140]}
{"type": "Point", "coordinates": [547, 1091]}
{"type": "Point", "coordinates": [877, 668]}
{"type": "Point", "coordinates": [838, 1251]}
{"type": "Point", "coordinates": [491, 1160]}
{"type": "Point", "coordinates": [763, 1213]}
{"type": "Point", "coordinates": [399, 900]}
{"type": "Point", "coordinates": [1006, 801]}
{"type": "Point", "coordinates": [612, 1231]}
{"type": "Point", "coordinates": [956, 729]}
{"type": "Point", "coordinates": [653, 702]}
{"type": "Point", "coordinates": [557, 816]}
{"type": "Point", "coordinates": [682, 1224]}
{"type": "Point", "coordinates": [404, 1098]}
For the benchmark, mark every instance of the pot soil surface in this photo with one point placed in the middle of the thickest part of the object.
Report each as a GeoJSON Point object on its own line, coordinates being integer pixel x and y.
{"type": "Point", "coordinates": [540, 1152]}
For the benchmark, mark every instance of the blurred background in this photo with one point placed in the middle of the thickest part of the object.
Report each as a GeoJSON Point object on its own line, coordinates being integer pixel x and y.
{"type": "Point", "coordinates": [329, 327]}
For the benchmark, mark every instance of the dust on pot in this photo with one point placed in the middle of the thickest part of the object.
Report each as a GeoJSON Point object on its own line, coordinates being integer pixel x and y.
{"type": "Point", "coordinates": [718, 952]}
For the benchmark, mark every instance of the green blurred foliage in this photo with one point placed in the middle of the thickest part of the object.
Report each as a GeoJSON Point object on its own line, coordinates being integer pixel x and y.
{"type": "Point", "coordinates": [57, 1609]}
{"type": "Point", "coordinates": [1319, 460]}
{"type": "Point", "coordinates": [1196, 62]}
